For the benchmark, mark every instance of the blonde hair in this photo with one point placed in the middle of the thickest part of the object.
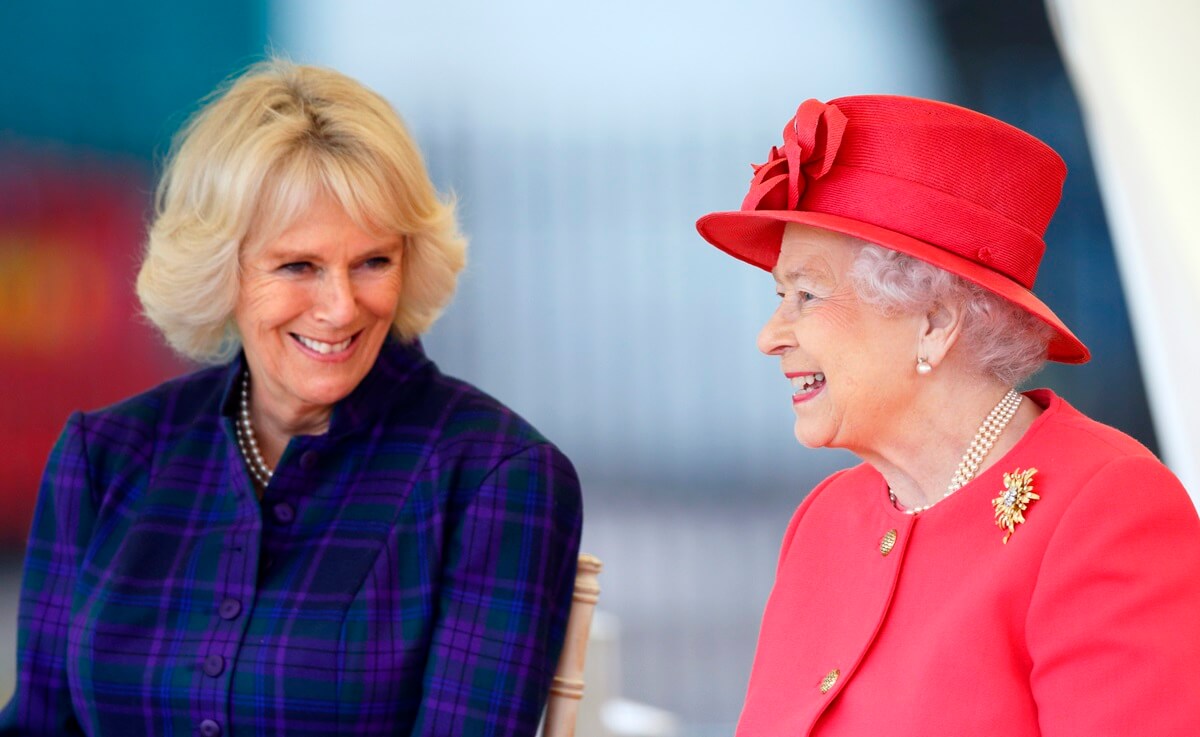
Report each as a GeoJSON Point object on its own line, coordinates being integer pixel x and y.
{"type": "Point", "coordinates": [245, 167]}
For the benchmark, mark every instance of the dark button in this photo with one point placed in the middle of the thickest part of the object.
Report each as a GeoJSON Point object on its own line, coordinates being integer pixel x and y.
{"type": "Point", "coordinates": [214, 665]}
{"type": "Point", "coordinates": [209, 728]}
{"type": "Point", "coordinates": [308, 460]}
{"type": "Point", "coordinates": [284, 512]}
{"type": "Point", "coordinates": [230, 608]}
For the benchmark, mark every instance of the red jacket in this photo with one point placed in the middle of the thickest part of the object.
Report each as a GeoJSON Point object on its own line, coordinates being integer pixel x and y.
{"type": "Point", "coordinates": [1086, 622]}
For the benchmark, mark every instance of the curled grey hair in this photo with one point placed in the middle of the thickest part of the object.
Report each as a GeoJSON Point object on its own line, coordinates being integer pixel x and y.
{"type": "Point", "coordinates": [1000, 339]}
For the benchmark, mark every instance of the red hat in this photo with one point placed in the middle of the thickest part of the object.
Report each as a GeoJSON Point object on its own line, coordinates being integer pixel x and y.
{"type": "Point", "coordinates": [941, 183]}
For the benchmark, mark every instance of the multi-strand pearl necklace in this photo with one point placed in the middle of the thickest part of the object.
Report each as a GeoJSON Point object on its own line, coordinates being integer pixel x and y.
{"type": "Point", "coordinates": [985, 438]}
{"type": "Point", "coordinates": [245, 437]}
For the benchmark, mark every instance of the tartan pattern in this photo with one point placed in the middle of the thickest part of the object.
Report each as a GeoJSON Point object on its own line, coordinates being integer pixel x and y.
{"type": "Point", "coordinates": [408, 572]}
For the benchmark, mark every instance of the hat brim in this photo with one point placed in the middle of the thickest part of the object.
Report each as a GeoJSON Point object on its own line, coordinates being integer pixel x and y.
{"type": "Point", "coordinates": [754, 237]}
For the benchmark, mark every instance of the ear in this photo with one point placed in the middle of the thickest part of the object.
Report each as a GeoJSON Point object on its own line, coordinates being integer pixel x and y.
{"type": "Point", "coordinates": [939, 331]}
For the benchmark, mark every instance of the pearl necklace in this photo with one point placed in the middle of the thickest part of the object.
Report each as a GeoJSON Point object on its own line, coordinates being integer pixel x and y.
{"type": "Point", "coordinates": [985, 438]}
{"type": "Point", "coordinates": [245, 436]}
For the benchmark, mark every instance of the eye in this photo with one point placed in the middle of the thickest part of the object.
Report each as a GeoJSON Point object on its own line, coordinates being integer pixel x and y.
{"type": "Point", "coordinates": [378, 263]}
{"type": "Point", "coordinates": [296, 267]}
{"type": "Point", "coordinates": [801, 295]}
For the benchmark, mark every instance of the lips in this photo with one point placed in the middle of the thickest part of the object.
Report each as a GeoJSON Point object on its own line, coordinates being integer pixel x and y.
{"type": "Point", "coordinates": [322, 347]}
{"type": "Point", "coordinates": [805, 385]}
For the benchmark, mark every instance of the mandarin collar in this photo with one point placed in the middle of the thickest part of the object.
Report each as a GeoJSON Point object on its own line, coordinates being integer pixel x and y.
{"type": "Point", "coordinates": [382, 386]}
{"type": "Point", "coordinates": [397, 362]}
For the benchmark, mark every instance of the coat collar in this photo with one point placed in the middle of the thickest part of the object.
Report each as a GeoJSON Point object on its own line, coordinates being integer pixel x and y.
{"type": "Point", "coordinates": [396, 364]}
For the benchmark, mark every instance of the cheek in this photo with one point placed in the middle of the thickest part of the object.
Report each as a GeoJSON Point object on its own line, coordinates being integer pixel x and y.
{"type": "Point", "coordinates": [844, 340]}
{"type": "Point", "coordinates": [383, 298]}
{"type": "Point", "coordinates": [865, 354]}
{"type": "Point", "coordinates": [264, 306]}
{"type": "Point", "coordinates": [842, 315]}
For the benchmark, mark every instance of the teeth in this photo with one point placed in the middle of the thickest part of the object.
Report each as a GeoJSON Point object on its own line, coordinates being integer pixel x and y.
{"type": "Point", "coordinates": [323, 347]}
{"type": "Point", "coordinates": [806, 383]}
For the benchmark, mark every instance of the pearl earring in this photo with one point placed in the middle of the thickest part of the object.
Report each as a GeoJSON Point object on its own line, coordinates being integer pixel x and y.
{"type": "Point", "coordinates": [923, 367]}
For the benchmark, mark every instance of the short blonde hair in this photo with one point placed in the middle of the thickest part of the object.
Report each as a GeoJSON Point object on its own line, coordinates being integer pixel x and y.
{"type": "Point", "coordinates": [245, 167]}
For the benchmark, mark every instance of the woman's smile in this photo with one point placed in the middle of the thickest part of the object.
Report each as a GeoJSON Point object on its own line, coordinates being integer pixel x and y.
{"type": "Point", "coordinates": [315, 307]}
{"type": "Point", "coordinates": [806, 385]}
{"type": "Point", "coordinates": [322, 350]}
{"type": "Point", "coordinates": [820, 322]}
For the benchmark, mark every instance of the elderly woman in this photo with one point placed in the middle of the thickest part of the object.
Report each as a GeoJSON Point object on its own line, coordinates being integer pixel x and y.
{"type": "Point", "coordinates": [321, 534]}
{"type": "Point", "coordinates": [999, 563]}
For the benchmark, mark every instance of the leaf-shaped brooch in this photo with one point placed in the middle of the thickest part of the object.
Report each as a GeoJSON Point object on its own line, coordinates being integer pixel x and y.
{"type": "Point", "coordinates": [1010, 506]}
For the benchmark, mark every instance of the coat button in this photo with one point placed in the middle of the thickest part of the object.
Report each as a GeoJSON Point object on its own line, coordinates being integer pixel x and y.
{"type": "Point", "coordinates": [829, 679]}
{"type": "Point", "coordinates": [214, 665]}
{"type": "Point", "coordinates": [887, 543]}
{"type": "Point", "coordinates": [284, 513]}
{"type": "Point", "coordinates": [308, 459]}
{"type": "Point", "coordinates": [230, 608]}
{"type": "Point", "coordinates": [209, 728]}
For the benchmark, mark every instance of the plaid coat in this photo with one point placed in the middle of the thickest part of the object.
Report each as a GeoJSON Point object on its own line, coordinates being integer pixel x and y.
{"type": "Point", "coordinates": [408, 572]}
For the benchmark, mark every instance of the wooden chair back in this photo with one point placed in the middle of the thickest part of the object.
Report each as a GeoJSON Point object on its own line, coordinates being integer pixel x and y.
{"type": "Point", "coordinates": [562, 709]}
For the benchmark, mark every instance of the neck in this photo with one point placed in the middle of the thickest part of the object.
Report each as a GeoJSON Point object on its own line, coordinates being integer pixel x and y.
{"type": "Point", "coordinates": [276, 423]}
{"type": "Point", "coordinates": [920, 459]}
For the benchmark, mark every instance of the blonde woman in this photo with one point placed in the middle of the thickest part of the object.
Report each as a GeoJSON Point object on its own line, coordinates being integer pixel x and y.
{"type": "Point", "coordinates": [321, 533]}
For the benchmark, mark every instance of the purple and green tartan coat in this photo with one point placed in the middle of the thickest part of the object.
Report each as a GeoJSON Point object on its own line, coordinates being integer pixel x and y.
{"type": "Point", "coordinates": [407, 573]}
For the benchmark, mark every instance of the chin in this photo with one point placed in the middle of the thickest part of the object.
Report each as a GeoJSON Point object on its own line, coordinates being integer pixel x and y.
{"type": "Point", "coordinates": [328, 395]}
{"type": "Point", "coordinates": [808, 439]}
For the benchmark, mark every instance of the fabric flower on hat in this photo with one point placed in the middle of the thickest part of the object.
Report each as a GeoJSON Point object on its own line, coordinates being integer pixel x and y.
{"type": "Point", "coordinates": [810, 144]}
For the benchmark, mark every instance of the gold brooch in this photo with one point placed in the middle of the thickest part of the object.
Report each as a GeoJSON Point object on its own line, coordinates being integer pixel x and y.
{"type": "Point", "coordinates": [1011, 505]}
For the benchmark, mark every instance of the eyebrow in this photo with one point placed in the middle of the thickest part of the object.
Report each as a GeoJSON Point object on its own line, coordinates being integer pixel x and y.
{"type": "Point", "coordinates": [795, 274]}
{"type": "Point", "coordinates": [302, 253]}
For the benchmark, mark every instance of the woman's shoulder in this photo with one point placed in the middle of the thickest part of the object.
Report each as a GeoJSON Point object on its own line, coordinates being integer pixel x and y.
{"type": "Point", "coordinates": [132, 423]}
{"type": "Point", "coordinates": [1086, 469]}
{"type": "Point", "coordinates": [412, 392]}
{"type": "Point", "coordinates": [1061, 423]}
{"type": "Point", "coordinates": [1066, 441]}
{"type": "Point", "coordinates": [473, 437]}
{"type": "Point", "coordinates": [472, 416]}
{"type": "Point", "coordinates": [197, 391]}
{"type": "Point", "coordinates": [117, 445]}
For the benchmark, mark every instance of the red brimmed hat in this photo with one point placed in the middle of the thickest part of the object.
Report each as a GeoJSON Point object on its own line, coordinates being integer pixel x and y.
{"type": "Point", "coordinates": [938, 182]}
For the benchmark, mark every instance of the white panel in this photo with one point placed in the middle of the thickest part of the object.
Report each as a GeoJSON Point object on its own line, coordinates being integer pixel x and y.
{"type": "Point", "coordinates": [1134, 67]}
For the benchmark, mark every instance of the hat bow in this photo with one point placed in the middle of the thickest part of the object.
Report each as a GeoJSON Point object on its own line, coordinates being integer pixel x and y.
{"type": "Point", "coordinates": [810, 145]}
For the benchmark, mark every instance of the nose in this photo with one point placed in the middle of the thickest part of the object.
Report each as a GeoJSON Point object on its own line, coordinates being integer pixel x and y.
{"type": "Point", "coordinates": [776, 338]}
{"type": "Point", "coordinates": [335, 300]}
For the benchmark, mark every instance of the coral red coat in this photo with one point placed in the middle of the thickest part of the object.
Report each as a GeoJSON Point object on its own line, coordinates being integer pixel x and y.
{"type": "Point", "coordinates": [1086, 622]}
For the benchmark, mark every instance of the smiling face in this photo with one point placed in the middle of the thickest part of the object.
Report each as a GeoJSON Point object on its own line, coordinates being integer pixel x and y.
{"type": "Point", "coordinates": [314, 308]}
{"type": "Point", "coordinates": [851, 367]}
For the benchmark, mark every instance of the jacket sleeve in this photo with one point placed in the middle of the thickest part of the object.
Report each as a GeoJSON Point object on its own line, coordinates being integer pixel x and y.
{"type": "Point", "coordinates": [1113, 626]}
{"type": "Point", "coordinates": [505, 595]}
{"type": "Point", "coordinates": [62, 526]}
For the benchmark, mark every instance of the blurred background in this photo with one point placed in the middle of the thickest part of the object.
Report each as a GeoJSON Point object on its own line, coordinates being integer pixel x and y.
{"type": "Point", "coordinates": [582, 141]}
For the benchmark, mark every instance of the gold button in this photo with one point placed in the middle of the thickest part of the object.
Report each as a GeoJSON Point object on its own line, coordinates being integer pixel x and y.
{"type": "Point", "coordinates": [829, 679]}
{"type": "Point", "coordinates": [888, 542]}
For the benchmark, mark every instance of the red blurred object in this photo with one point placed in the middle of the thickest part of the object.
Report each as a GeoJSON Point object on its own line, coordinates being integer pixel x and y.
{"type": "Point", "coordinates": [71, 229]}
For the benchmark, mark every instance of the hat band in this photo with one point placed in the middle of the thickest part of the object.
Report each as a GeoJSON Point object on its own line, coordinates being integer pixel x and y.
{"type": "Point", "coordinates": [929, 215]}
